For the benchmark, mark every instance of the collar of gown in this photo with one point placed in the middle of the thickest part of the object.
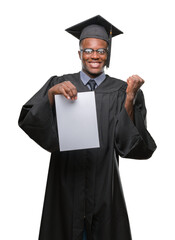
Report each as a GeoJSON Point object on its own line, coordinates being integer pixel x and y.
{"type": "Point", "coordinates": [85, 78]}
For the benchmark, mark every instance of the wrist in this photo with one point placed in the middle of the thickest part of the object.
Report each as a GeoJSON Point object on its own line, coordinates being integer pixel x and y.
{"type": "Point", "coordinates": [129, 106]}
{"type": "Point", "coordinates": [50, 92]}
{"type": "Point", "coordinates": [51, 96]}
{"type": "Point", "coordinates": [130, 97]}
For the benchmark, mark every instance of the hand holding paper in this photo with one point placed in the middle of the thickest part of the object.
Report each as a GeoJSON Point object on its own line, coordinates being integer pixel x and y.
{"type": "Point", "coordinates": [65, 88]}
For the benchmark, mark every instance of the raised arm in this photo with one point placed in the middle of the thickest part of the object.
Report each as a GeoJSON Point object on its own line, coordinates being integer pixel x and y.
{"type": "Point", "coordinates": [132, 138]}
{"type": "Point", "coordinates": [134, 83]}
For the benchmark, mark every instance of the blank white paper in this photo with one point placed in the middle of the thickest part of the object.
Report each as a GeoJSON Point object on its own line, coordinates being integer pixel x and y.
{"type": "Point", "coordinates": [77, 122]}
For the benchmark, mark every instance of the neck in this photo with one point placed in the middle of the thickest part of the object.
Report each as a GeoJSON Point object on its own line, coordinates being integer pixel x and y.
{"type": "Point", "coordinates": [91, 75]}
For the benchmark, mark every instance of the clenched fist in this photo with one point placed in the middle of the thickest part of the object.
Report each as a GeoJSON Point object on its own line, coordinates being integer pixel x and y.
{"type": "Point", "coordinates": [134, 83]}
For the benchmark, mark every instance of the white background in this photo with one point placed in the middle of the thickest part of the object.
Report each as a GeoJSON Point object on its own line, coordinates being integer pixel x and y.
{"type": "Point", "coordinates": [33, 47]}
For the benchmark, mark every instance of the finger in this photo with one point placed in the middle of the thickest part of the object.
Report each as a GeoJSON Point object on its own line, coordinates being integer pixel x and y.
{"type": "Point", "coordinates": [74, 91]}
{"type": "Point", "coordinates": [129, 80]}
{"type": "Point", "coordinates": [63, 90]}
{"type": "Point", "coordinates": [71, 90]}
{"type": "Point", "coordinates": [137, 78]}
{"type": "Point", "coordinates": [66, 91]}
{"type": "Point", "coordinates": [137, 82]}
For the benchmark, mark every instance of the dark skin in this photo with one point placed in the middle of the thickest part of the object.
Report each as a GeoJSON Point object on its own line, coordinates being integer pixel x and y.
{"type": "Point", "coordinates": [93, 66]}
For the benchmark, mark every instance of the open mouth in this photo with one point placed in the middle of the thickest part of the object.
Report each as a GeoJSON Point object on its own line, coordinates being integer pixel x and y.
{"type": "Point", "coordinates": [95, 64]}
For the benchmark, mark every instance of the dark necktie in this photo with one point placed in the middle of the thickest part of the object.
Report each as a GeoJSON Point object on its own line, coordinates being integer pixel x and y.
{"type": "Point", "coordinates": [92, 84]}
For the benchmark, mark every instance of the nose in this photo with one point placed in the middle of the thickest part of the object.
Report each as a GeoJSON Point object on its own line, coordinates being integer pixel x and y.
{"type": "Point", "coordinates": [95, 55]}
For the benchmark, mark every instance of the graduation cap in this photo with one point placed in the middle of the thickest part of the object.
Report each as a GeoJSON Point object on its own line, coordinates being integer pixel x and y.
{"type": "Point", "coordinates": [96, 27]}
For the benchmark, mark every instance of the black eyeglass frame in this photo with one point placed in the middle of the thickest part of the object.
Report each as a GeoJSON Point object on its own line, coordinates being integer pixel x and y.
{"type": "Point", "coordinates": [93, 50]}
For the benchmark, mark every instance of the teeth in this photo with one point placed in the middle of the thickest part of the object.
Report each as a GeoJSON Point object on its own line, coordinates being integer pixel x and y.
{"type": "Point", "coordinates": [95, 64]}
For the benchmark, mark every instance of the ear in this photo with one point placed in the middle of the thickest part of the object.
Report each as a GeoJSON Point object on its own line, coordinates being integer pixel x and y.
{"type": "Point", "coordinates": [79, 53]}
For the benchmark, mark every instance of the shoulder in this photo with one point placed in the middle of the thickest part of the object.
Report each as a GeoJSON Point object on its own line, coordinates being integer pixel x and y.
{"type": "Point", "coordinates": [117, 81]}
{"type": "Point", "coordinates": [114, 84]}
{"type": "Point", "coordinates": [66, 77]}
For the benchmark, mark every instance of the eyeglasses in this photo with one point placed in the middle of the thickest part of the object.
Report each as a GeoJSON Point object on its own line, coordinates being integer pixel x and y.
{"type": "Point", "coordinates": [89, 51]}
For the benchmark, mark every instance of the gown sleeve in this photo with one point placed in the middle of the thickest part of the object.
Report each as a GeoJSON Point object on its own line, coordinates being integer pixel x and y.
{"type": "Point", "coordinates": [132, 138]}
{"type": "Point", "coordinates": [38, 120]}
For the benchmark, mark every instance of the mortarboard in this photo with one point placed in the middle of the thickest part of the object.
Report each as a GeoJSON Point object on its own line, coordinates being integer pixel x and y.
{"type": "Point", "coordinates": [96, 27]}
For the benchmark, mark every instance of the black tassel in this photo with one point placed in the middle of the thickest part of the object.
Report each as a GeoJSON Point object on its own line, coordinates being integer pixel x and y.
{"type": "Point", "coordinates": [109, 48]}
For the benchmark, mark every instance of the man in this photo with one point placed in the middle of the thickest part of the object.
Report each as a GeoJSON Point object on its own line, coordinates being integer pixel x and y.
{"type": "Point", "coordinates": [84, 192]}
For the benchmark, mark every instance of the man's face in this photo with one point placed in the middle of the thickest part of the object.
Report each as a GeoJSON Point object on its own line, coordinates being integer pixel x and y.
{"type": "Point", "coordinates": [93, 64]}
